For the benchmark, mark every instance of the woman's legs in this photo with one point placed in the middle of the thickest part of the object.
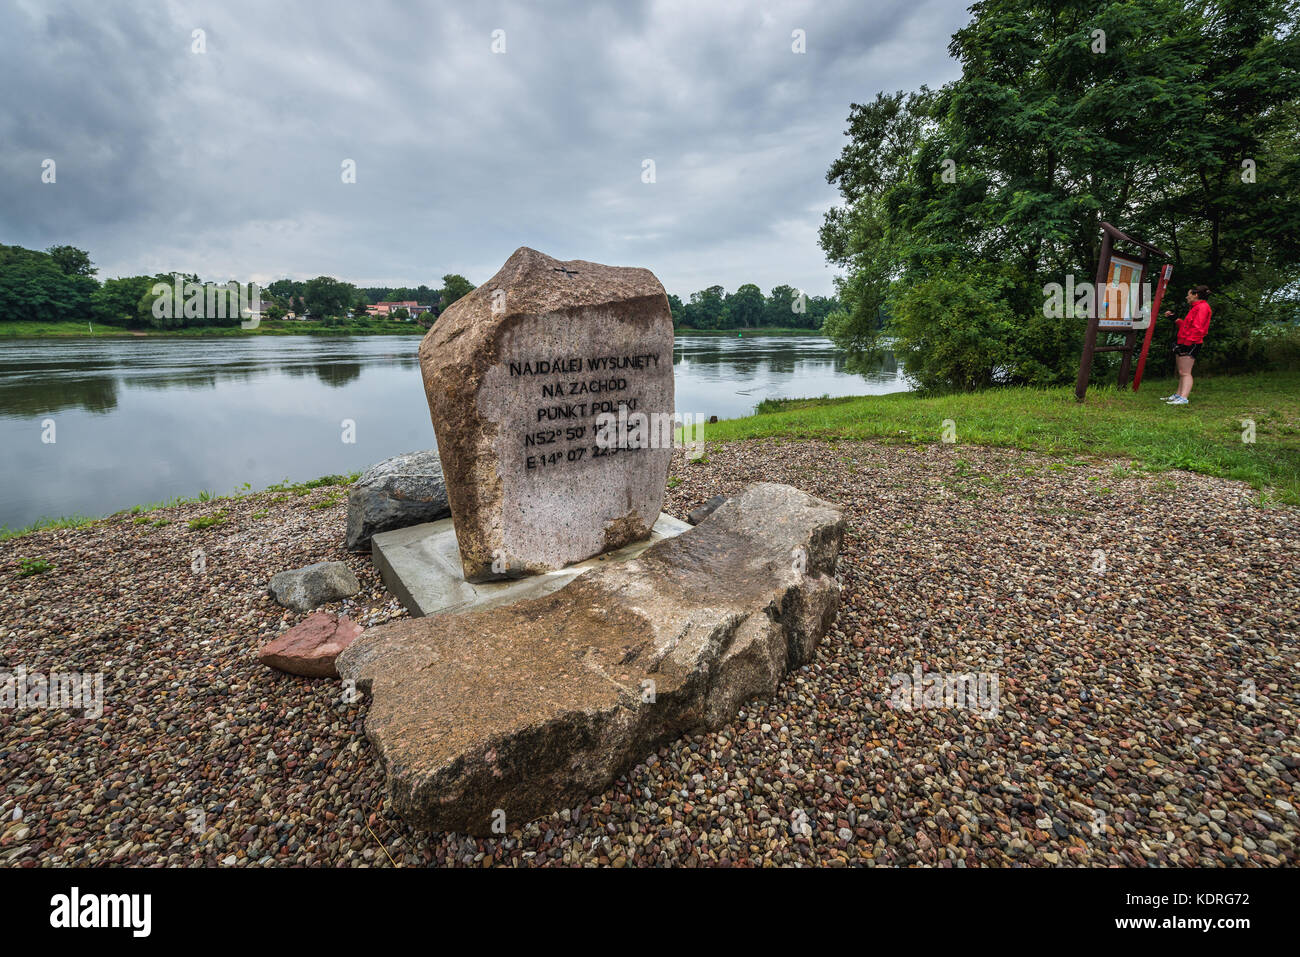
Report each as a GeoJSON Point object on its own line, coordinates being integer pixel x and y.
{"type": "Point", "coordinates": [1184, 364]}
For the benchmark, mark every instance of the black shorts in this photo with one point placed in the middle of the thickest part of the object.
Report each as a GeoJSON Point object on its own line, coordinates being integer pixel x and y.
{"type": "Point", "coordinates": [1182, 350]}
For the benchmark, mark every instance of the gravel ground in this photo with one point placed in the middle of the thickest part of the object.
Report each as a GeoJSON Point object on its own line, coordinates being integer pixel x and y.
{"type": "Point", "coordinates": [1141, 631]}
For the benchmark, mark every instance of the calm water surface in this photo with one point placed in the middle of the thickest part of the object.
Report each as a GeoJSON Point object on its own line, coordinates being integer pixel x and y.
{"type": "Point", "coordinates": [143, 420]}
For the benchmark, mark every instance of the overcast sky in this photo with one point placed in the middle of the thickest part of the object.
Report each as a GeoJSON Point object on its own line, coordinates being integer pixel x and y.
{"type": "Point", "coordinates": [229, 162]}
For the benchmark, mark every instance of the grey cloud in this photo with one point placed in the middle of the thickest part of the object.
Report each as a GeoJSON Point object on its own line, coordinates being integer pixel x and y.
{"type": "Point", "coordinates": [228, 163]}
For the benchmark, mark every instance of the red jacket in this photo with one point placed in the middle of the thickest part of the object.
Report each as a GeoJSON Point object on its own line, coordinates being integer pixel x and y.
{"type": "Point", "coordinates": [1193, 326]}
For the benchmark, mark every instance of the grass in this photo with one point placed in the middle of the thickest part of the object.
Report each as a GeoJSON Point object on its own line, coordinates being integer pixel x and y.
{"type": "Point", "coordinates": [1204, 436]}
{"type": "Point", "coordinates": [32, 566]}
{"type": "Point", "coordinates": [207, 521]}
{"type": "Point", "coordinates": [287, 486]}
{"type": "Point", "coordinates": [267, 327]}
{"type": "Point", "coordinates": [70, 521]}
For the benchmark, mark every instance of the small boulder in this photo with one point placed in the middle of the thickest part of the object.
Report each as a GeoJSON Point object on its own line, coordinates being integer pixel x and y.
{"type": "Point", "coordinates": [310, 647]}
{"type": "Point", "coordinates": [699, 514]}
{"type": "Point", "coordinates": [399, 492]}
{"type": "Point", "coordinates": [304, 589]}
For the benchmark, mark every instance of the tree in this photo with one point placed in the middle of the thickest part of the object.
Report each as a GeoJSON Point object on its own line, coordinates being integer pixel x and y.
{"type": "Point", "coordinates": [779, 308]}
{"type": "Point", "coordinates": [73, 261]}
{"type": "Point", "coordinates": [326, 296]}
{"type": "Point", "coordinates": [400, 312]}
{"type": "Point", "coordinates": [117, 301]}
{"type": "Point", "coordinates": [704, 311]}
{"type": "Point", "coordinates": [285, 289]}
{"type": "Point", "coordinates": [744, 308]}
{"type": "Point", "coordinates": [1043, 136]}
{"type": "Point", "coordinates": [953, 329]}
{"type": "Point", "coordinates": [675, 307]}
{"type": "Point", "coordinates": [171, 317]}
{"type": "Point", "coordinates": [818, 309]}
{"type": "Point", "coordinates": [454, 287]}
{"type": "Point", "coordinates": [33, 287]}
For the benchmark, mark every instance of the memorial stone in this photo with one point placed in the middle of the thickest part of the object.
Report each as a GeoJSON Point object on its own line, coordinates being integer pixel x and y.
{"type": "Point", "coordinates": [550, 388]}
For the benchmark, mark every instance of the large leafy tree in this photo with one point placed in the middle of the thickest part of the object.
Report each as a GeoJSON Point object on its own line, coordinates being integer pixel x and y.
{"type": "Point", "coordinates": [285, 289]}
{"type": "Point", "coordinates": [705, 310]}
{"type": "Point", "coordinates": [73, 261]}
{"type": "Point", "coordinates": [35, 287]}
{"type": "Point", "coordinates": [454, 286]}
{"type": "Point", "coordinates": [326, 296]}
{"type": "Point", "coordinates": [1172, 119]}
{"type": "Point", "coordinates": [117, 301]}
{"type": "Point", "coordinates": [744, 307]}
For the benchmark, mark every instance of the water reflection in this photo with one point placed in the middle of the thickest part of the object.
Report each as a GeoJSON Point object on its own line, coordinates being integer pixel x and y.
{"type": "Point", "coordinates": [44, 376]}
{"type": "Point", "coordinates": [144, 420]}
{"type": "Point", "coordinates": [727, 377]}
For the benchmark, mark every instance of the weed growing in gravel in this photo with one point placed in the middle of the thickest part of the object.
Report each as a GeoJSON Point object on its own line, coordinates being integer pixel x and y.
{"type": "Point", "coordinates": [207, 521]}
{"type": "Point", "coordinates": [72, 521]}
{"type": "Point", "coordinates": [302, 488]}
{"type": "Point", "coordinates": [674, 481]}
{"type": "Point", "coordinates": [32, 566]}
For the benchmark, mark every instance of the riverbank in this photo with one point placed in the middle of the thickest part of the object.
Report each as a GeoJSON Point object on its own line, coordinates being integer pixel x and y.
{"type": "Point", "coordinates": [140, 514]}
{"type": "Point", "coordinates": [1238, 427]}
{"type": "Point", "coordinates": [267, 327]}
{"type": "Point", "coordinates": [1122, 734]}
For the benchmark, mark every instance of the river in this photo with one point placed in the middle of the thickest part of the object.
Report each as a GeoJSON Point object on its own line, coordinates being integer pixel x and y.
{"type": "Point", "coordinates": [90, 426]}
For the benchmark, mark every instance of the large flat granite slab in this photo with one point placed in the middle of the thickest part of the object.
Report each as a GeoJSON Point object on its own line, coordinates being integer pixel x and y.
{"type": "Point", "coordinates": [421, 565]}
{"type": "Point", "coordinates": [490, 718]}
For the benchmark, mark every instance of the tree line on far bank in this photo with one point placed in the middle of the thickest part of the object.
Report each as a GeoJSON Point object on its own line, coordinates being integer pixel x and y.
{"type": "Point", "coordinates": [59, 285]}
{"type": "Point", "coordinates": [747, 308]}
{"type": "Point", "coordinates": [332, 299]}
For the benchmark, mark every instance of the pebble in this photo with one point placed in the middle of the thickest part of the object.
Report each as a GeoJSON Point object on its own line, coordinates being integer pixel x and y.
{"type": "Point", "coordinates": [1130, 703]}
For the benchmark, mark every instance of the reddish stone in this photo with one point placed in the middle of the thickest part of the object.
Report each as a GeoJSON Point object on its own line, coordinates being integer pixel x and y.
{"type": "Point", "coordinates": [310, 647]}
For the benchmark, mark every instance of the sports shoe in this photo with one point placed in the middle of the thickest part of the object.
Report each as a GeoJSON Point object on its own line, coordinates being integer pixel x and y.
{"type": "Point", "coordinates": [1178, 400]}
{"type": "Point", "coordinates": [1170, 398]}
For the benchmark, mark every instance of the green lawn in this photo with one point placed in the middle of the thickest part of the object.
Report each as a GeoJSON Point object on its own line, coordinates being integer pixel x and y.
{"type": "Point", "coordinates": [1204, 436]}
{"type": "Point", "coordinates": [283, 327]}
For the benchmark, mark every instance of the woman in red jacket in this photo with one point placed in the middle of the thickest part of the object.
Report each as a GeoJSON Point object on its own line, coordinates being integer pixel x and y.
{"type": "Point", "coordinates": [1191, 333]}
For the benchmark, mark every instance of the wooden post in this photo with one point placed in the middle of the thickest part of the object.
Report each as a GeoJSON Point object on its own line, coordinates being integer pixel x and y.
{"type": "Point", "coordinates": [1090, 340]}
{"type": "Point", "coordinates": [1130, 340]}
{"type": "Point", "coordinates": [1165, 273]}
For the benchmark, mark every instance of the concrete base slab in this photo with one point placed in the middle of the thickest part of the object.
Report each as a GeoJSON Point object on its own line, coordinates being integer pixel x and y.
{"type": "Point", "coordinates": [421, 566]}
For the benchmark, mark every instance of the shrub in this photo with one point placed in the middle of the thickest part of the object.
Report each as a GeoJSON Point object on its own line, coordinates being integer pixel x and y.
{"type": "Point", "coordinates": [953, 330]}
